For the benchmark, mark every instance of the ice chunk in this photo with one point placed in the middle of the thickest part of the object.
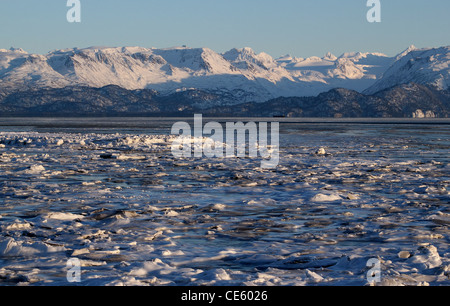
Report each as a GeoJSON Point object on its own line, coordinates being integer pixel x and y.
{"type": "Point", "coordinates": [440, 218]}
{"type": "Point", "coordinates": [11, 247]}
{"type": "Point", "coordinates": [321, 151]}
{"type": "Point", "coordinates": [326, 198]}
{"type": "Point", "coordinates": [18, 226]}
{"type": "Point", "coordinates": [35, 169]}
{"type": "Point", "coordinates": [219, 206]}
{"type": "Point", "coordinates": [404, 254]}
{"type": "Point", "coordinates": [61, 216]}
{"type": "Point", "coordinates": [130, 157]}
{"type": "Point", "coordinates": [426, 257]}
{"type": "Point", "coordinates": [171, 213]}
{"type": "Point", "coordinates": [313, 276]}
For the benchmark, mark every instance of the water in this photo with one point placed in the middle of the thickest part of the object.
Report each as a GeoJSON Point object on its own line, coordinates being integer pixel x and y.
{"type": "Point", "coordinates": [144, 217]}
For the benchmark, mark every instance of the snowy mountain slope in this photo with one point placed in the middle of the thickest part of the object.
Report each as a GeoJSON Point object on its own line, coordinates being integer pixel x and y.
{"type": "Point", "coordinates": [355, 71]}
{"type": "Point", "coordinates": [238, 76]}
{"type": "Point", "coordinates": [428, 66]}
{"type": "Point", "coordinates": [20, 70]}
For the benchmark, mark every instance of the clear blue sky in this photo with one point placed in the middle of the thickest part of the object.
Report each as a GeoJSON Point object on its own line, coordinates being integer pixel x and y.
{"type": "Point", "coordinates": [299, 27]}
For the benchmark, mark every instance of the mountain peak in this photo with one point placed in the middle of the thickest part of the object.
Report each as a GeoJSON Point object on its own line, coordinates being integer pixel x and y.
{"type": "Point", "coordinates": [18, 50]}
{"type": "Point", "coordinates": [406, 52]}
{"type": "Point", "coordinates": [247, 50]}
{"type": "Point", "coordinates": [246, 58]}
{"type": "Point", "coordinates": [330, 56]}
{"type": "Point", "coordinates": [411, 48]}
{"type": "Point", "coordinates": [235, 53]}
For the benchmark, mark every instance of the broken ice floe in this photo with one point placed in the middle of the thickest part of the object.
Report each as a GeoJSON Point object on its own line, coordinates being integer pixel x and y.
{"type": "Point", "coordinates": [135, 215]}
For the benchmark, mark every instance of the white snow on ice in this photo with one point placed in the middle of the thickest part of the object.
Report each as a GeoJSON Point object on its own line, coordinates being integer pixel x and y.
{"type": "Point", "coordinates": [135, 215]}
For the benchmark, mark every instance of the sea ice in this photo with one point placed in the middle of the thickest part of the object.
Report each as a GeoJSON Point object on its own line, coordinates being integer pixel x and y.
{"type": "Point", "coordinates": [135, 215]}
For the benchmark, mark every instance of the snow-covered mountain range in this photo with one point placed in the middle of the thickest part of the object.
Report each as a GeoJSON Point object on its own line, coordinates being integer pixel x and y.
{"type": "Point", "coordinates": [238, 76]}
{"type": "Point", "coordinates": [429, 66]}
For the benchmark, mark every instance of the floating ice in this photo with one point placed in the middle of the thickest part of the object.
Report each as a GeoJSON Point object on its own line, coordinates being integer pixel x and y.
{"type": "Point", "coordinates": [326, 197]}
{"type": "Point", "coordinates": [321, 151]}
{"type": "Point", "coordinates": [426, 257]}
{"type": "Point", "coordinates": [135, 215]}
{"type": "Point", "coordinates": [63, 216]}
{"type": "Point", "coordinates": [11, 248]}
{"type": "Point", "coordinates": [35, 169]}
